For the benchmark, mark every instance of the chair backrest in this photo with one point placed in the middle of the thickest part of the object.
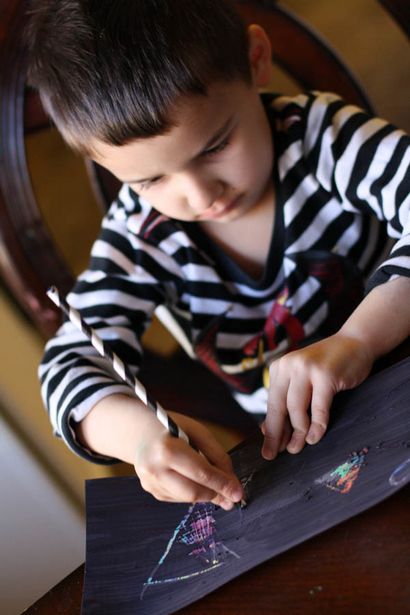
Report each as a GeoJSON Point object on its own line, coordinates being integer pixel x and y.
{"type": "Point", "coordinates": [400, 11]}
{"type": "Point", "coordinates": [30, 259]}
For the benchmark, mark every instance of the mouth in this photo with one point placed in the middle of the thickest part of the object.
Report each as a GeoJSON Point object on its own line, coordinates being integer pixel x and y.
{"type": "Point", "coordinates": [219, 211]}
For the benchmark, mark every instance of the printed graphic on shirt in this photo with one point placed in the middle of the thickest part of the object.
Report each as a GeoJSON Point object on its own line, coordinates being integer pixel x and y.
{"type": "Point", "coordinates": [340, 289]}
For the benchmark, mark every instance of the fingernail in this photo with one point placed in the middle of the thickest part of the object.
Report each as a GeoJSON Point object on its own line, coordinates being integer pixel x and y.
{"type": "Point", "coordinates": [237, 494]}
{"type": "Point", "coordinates": [315, 433]}
{"type": "Point", "coordinates": [294, 444]}
{"type": "Point", "coordinates": [227, 505]}
{"type": "Point", "coordinates": [267, 453]}
{"type": "Point", "coordinates": [311, 438]}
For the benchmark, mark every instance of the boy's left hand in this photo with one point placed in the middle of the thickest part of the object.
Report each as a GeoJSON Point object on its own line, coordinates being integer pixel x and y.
{"type": "Point", "coordinates": [309, 378]}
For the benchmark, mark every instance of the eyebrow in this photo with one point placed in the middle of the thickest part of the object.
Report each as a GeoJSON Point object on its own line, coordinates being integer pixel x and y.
{"type": "Point", "coordinates": [216, 137]}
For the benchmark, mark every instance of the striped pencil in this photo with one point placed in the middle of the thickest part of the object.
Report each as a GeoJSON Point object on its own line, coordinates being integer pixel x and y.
{"type": "Point", "coordinates": [118, 365]}
{"type": "Point", "coordinates": [120, 368]}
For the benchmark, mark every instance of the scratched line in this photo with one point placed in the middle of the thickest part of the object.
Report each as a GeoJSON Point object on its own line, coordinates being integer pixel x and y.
{"type": "Point", "coordinates": [197, 529]}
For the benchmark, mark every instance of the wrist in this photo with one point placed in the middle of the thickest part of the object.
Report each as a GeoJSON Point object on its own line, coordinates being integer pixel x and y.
{"type": "Point", "coordinates": [115, 426]}
{"type": "Point", "coordinates": [358, 342]}
{"type": "Point", "coordinates": [382, 320]}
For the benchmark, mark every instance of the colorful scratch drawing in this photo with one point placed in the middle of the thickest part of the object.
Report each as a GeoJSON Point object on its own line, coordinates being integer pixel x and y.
{"type": "Point", "coordinates": [344, 476]}
{"type": "Point", "coordinates": [197, 531]}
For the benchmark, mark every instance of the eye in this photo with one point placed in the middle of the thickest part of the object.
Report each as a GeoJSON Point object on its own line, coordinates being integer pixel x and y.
{"type": "Point", "coordinates": [148, 183]}
{"type": "Point", "coordinates": [217, 148]}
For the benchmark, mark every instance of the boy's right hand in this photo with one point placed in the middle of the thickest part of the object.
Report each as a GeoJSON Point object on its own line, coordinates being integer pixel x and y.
{"type": "Point", "coordinates": [172, 471]}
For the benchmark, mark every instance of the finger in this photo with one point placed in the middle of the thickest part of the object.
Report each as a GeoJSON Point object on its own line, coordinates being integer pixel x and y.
{"type": "Point", "coordinates": [322, 397]}
{"type": "Point", "coordinates": [276, 415]}
{"type": "Point", "coordinates": [223, 502]}
{"type": "Point", "coordinates": [287, 433]}
{"type": "Point", "coordinates": [177, 488]}
{"type": "Point", "coordinates": [298, 400]}
{"type": "Point", "coordinates": [197, 468]}
{"type": "Point", "coordinates": [213, 451]}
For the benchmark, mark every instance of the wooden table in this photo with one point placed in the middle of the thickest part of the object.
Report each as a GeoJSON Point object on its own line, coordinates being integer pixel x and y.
{"type": "Point", "coordinates": [361, 566]}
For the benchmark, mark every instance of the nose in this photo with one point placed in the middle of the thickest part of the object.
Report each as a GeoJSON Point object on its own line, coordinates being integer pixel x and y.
{"type": "Point", "coordinates": [200, 191]}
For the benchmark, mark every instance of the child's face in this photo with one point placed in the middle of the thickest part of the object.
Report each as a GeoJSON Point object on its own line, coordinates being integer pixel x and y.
{"type": "Point", "coordinates": [216, 163]}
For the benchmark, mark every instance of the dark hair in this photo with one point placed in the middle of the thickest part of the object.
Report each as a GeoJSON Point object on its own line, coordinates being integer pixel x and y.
{"type": "Point", "coordinates": [112, 69]}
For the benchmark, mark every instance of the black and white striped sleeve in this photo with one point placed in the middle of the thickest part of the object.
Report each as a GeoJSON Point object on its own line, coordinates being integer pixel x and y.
{"type": "Point", "coordinates": [126, 280]}
{"type": "Point", "coordinates": [365, 162]}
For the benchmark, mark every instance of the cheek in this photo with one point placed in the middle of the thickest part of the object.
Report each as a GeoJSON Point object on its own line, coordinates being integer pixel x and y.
{"type": "Point", "coordinates": [167, 203]}
{"type": "Point", "coordinates": [247, 166]}
{"type": "Point", "coordinates": [157, 197]}
{"type": "Point", "coordinates": [252, 158]}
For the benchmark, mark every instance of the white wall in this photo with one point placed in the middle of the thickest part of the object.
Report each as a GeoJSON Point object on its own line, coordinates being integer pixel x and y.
{"type": "Point", "coordinates": [42, 537]}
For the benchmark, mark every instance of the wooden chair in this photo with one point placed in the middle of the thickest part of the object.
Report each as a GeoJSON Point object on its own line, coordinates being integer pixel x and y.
{"type": "Point", "coordinates": [30, 259]}
{"type": "Point", "coordinates": [400, 11]}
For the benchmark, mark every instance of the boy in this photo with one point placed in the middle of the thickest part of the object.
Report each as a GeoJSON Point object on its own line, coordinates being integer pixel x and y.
{"type": "Point", "coordinates": [254, 219]}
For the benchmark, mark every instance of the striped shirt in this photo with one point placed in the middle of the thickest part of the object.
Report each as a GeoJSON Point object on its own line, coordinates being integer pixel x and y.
{"type": "Point", "coordinates": [341, 181]}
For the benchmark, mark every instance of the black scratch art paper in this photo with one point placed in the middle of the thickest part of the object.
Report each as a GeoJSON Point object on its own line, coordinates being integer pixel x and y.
{"type": "Point", "coordinates": [147, 557]}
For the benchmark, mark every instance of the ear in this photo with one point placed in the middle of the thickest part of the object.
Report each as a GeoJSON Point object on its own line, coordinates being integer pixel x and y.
{"type": "Point", "coordinates": [260, 55]}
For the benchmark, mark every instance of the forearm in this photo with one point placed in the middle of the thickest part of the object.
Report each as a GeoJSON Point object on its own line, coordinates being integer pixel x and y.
{"type": "Point", "coordinates": [114, 426]}
{"type": "Point", "coordinates": [382, 320]}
